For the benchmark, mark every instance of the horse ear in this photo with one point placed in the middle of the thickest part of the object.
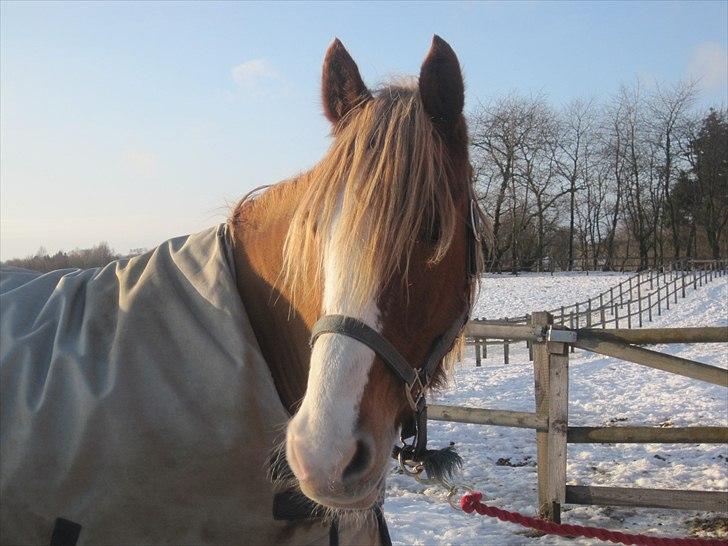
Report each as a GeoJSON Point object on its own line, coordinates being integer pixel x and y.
{"type": "Point", "coordinates": [441, 82]}
{"type": "Point", "coordinates": [341, 85]}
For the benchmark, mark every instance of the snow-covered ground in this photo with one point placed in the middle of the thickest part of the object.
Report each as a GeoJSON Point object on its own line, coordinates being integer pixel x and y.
{"type": "Point", "coordinates": [506, 295]}
{"type": "Point", "coordinates": [602, 391]}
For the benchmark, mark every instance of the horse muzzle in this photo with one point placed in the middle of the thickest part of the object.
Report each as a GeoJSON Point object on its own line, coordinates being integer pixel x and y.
{"type": "Point", "coordinates": [335, 476]}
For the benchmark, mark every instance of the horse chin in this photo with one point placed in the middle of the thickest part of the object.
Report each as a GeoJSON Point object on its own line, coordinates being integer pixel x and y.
{"type": "Point", "coordinates": [353, 502]}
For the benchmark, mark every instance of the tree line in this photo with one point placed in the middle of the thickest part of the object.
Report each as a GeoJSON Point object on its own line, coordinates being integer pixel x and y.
{"type": "Point", "coordinates": [641, 174]}
{"type": "Point", "coordinates": [83, 258]}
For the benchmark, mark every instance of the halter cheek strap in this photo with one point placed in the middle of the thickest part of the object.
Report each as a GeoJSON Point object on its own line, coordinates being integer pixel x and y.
{"type": "Point", "coordinates": [356, 329]}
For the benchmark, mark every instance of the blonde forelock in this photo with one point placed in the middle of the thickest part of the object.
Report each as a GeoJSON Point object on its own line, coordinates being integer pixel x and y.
{"type": "Point", "coordinates": [386, 171]}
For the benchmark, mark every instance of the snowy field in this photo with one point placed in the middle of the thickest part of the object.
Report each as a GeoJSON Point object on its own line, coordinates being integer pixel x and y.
{"type": "Point", "coordinates": [603, 391]}
{"type": "Point", "coordinates": [506, 295]}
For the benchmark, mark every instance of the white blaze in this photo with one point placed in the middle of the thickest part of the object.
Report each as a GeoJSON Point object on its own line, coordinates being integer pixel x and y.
{"type": "Point", "coordinates": [339, 364]}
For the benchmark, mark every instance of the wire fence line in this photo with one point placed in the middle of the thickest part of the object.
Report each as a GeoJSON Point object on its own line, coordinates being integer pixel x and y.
{"type": "Point", "coordinates": [629, 304]}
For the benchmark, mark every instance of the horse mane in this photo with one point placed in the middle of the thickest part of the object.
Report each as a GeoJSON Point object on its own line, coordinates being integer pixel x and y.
{"type": "Point", "coordinates": [384, 178]}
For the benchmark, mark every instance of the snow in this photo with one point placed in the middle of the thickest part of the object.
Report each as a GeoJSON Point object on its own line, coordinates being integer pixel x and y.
{"type": "Point", "coordinates": [602, 391]}
{"type": "Point", "coordinates": [506, 295]}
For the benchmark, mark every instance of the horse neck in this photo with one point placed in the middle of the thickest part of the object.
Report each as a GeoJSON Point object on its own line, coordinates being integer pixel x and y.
{"type": "Point", "coordinates": [259, 230]}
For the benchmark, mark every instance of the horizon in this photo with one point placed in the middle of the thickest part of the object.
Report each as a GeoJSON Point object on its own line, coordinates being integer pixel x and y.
{"type": "Point", "coordinates": [134, 123]}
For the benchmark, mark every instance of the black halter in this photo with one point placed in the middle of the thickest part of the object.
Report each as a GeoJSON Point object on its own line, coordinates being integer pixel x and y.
{"type": "Point", "coordinates": [416, 380]}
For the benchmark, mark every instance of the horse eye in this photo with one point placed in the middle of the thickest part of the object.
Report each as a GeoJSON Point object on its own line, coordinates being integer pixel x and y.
{"type": "Point", "coordinates": [435, 236]}
{"type": "Point", "coordinates": [430, 233]}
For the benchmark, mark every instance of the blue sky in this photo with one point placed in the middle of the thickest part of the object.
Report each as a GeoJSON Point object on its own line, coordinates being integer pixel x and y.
{"type": "Point", "coordinates": [136, 122]}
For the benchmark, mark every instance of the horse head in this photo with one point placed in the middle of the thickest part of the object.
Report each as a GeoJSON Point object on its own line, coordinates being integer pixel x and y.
{"type": "Point", "coordinates": [379, 231]}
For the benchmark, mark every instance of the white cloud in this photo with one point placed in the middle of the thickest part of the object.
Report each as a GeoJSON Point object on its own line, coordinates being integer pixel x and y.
{"type": "Point", "coordinates": [254, 73]}
{"type": "Point", "coordinates": [709, 64]}
{"type": "Point", "coordinates": [141, 162]}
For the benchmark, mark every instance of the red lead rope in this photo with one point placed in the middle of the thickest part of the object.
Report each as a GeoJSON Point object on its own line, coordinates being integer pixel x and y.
{"type": "Point", "coordinates": [471, 502]}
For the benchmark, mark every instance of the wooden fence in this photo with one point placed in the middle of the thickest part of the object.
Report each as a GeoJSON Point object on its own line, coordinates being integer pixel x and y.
{"type": "Point", "coordinates": [632, 302]}
{"type": "Point", "coordinates": [550, 344]}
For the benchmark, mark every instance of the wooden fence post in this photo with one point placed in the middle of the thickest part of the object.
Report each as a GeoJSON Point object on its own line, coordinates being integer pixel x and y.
{"type": "Point", "coordinates": [477, 352]}
{"type": "Point", "coordinates": [695, 280]}
{"type": "Point", "coordinates": [558, 426]}
{"type": "Point", "coordinates": [589, 313]}
{"type": "Point", "coordinates": [630, 287]}
{"type": "Point", "coordinates": [639, 302]}
{"type": "Point", "coordinates": [659, 301]}
{"type": "Point", "coordinates": [571, 322]}
{"type": "Point", "coordinates": [629, 314]}
{"type": "Point", "coordinates": [675, 291]}
{"type": "Point", "coordinates": [611, 296]}
{"type": "Point", "coordinates": [541, 381]}
{"type": "Point", "coordinates": [667, 296]}
{"type": "Point", "coordinates": [649, 306]}
{"type": "Point", "coordinates": [551, 378]}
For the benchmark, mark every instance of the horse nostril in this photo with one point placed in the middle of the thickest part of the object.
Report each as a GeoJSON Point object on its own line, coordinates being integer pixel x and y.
{"type": "Point", "coordinates": [359, 462]}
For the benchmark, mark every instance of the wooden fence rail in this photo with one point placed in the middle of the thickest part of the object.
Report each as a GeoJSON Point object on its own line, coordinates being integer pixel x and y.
{"type": "Point", "coordinates": [550, 419]}
{"type": "Point", "coordinates": [639, 355]}
{"type": "Point", "coordinates": [478, 416]}
{"type": "Point", "coordinates": [710, 501]}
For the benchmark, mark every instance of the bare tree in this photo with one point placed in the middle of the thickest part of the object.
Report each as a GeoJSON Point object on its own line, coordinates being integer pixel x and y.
{"type": "Point", "coordinates": [669, 109]}
{"type": "Point", "coordinates": [541, 175]}
{"type": "Point", "coordinates": [576, 124]}
{"type": "Point", "coordinates": [596, 201]}
{"type": "Point", "coordinates": [613, 153]}
{"type": "Point", "coordinates": [502, 129]}
{"type": "Point", "coordinates": [643, 195]}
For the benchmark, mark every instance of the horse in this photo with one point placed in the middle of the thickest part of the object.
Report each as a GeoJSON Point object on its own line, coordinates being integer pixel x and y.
{"type": "Point", "coordinates": [246, 384]}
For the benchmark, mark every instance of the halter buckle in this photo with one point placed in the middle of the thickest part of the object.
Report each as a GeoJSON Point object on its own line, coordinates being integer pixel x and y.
{"type": "Point", "coordinates": [415, 392]}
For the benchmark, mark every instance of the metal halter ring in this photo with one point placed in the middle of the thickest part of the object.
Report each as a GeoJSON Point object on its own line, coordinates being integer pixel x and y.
{"type": "Point", "coordinates": [452, 500]}
{"type": "Point", "coordinates": [416, 469]}
{"type": "Point", "coordinates": [417, 385]}
{"type": "Point", "coordinates": [473, 224]}
{"type": "Point", "coordinates": [416, 472]}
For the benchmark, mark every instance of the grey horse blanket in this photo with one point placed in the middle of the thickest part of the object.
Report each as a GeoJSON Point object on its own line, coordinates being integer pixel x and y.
{"type": "Point", "coordinates": [136, 403]}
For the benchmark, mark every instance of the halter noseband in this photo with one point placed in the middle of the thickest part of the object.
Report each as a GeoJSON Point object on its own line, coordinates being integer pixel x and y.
{"type": "Point", "coordinates": [416, 380]}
